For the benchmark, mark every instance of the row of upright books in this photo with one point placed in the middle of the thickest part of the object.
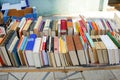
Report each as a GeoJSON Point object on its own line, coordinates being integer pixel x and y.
{"type": "Point", "coordinates": [60, 42]}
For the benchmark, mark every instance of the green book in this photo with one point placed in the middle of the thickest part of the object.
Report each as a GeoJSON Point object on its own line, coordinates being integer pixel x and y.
{"type": "Point", "coordinates": [113, 39]}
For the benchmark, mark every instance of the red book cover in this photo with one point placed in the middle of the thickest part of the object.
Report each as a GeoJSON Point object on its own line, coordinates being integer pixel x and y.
{"type": "Point", "coordinates": [63, 26]}
{"type": "Point", "coordinates": [82, 34]}
{"type": "Point", "coordinates": [82, 26]}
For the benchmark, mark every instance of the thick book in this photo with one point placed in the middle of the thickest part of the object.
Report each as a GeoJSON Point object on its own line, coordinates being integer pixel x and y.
{"type": "Point", "coordinates": [71, 50]}
{"type": "Point", "coordinates": [98, 50]}
{"type": "Point", "coordinates": [41, 27]}
{"type": "Point", "coordinates": [44, 53]}
{"type": "Point", "coordinates": [15, 55]}
{"type": "Point", "coordinates": [29, 49]}
{"type": "Point", "coordinates": [63, 26]}
{"type": "Point", "coordinates": [112, 49]}
{"type": "Point", "coordinates": [21, 26]}
{"type": "Point", "coordinates": [94, 56]}
{"type": "Point", "coordinates": [85, 48]}
{"type": "Point", "coordinates": [36, 52]}
{"type": "Point", "coordinates": [26, 27]}
{"type": "Point", "coordinates": [32, 27]}
{"type": "Point", "coordinates": [79, 49]}
{"type": "Point", "coordinates": [56, 51]}
{"type": "Point", "coordinates": [21, 54]}
{"type": "Point", "coordinates": [104, 50]}
{"type": "Point", "coordinates": [62, 51]}
{"type": "Point", "coordinates": [70, 26]}
{"type": "Point", "coordinates": [53, 32]}
{"type": "Point", "coordinates": [46, 27]}
{"type": "Point", "coordinates": [37, 25]}
{"type": "Point", "coordinates": [14, 25]}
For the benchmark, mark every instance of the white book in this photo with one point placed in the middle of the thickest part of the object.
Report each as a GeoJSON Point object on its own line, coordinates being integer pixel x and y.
{"type": "Point", "coordinates": [74, 27]}
{"type": "Point", "coordinates": [58, 28]}
{"type": "Point", "coordinates": [44, 53]}
{"type": "Point", "coordinates": [47, 24]}
{"type": "Point", "coordinates": [29, 57]}
{"type": "Point", "coordinates": [114, 47]}
{"type": "Point", "coordinates": [111, 49]}
{"type": "Point", "coordinates": [38, 22]}
{"type": "Point", "coordinates": [23, 20]}
{"type": "Point", "coordinates": [36, 52]}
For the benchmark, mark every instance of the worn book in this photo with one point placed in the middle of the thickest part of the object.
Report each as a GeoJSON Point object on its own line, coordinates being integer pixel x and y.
{"type": "Point", "coordinates": [56, 51]}
{"type": "Point", "coordinates": [112, 49]}
{"type": "Point", "coordinates": [79, 49]}
{"type": "Point", "coordinates": [26, 27]}
{"type": "Point", "coordinates": [37, 25]}
{"type": "Point", "coordinates": [36, 52]}
{"type": "Point", "coordinates": [71, 50]}
{"type": "Point", "coordinates": [70, 26]}
{"type": "Point", "coordinates": [104, 50]}
{"type": "Point", "coordinates": [63, 26]}
{"type": "Point", "coordinates": [29, 49]}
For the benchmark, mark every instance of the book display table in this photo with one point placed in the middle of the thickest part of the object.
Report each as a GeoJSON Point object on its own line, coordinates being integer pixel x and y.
{"type": "Point", "coordinates": [66, 68]}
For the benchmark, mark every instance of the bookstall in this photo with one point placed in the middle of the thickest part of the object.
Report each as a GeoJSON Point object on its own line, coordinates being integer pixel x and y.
{"type": "Point", "coordinates": [15, 65]}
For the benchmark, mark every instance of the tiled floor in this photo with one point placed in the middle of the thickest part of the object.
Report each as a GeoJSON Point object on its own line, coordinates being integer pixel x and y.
{"type": "Point", "coordinates": [85, 75]}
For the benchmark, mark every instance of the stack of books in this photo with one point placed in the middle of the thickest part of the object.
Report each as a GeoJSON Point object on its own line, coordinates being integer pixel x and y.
{"type": "Point", "coordinates": [61, 42]}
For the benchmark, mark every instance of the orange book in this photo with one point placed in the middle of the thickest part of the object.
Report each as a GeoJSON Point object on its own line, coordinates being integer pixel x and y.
{"type": "Point", "coordinates": [95, 27]}
{"type": "Point", "coordinates": [20, 42]}
{"type": "Point", "coordinates": [82, 35]}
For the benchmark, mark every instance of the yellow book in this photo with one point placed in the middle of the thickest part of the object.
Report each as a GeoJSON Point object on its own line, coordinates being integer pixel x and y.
{"type": "Point", "coordinates": [62, 51]}
{"type": "Point", "coordinates": [77, 27]}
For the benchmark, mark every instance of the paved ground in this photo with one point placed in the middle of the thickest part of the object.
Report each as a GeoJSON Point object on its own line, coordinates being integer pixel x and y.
{"type": "Point", "coordinates": [86, 75]}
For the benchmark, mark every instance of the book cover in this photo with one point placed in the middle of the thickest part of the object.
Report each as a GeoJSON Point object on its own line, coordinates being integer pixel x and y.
{"type": "Point", "coordinates": [29, 49]}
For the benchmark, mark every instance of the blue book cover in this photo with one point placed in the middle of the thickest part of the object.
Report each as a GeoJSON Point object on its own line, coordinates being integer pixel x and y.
{"type": "Point", "coordinates": [89, 39]}
{"type": "Point", "coordinates": [30, 42]}
{"type": "Point", "coordinates": [23, 43]}
{"type": "Point", "coordinates": [15, 54]}
{"type": "Point", "coordinates": [90, 26]}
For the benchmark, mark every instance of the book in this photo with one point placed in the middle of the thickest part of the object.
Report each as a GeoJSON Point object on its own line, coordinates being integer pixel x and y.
{"type": "Point", "coordinates": [62, 51]}
{"type": "Point", "coordinates": [15, 55]}
{"type": "Point", "coordinates": [14, 25]}
{"type": "Point", "coordinates": [29, 49]}
{"type": "Point", "coordinates": [98, 50]}
{"type": "Point", "coordinates": [93, 56]}
{"type": "Point", "coordinates": [36, 53]}
{"type": "Point", "coordinates": [21, 26]}
{"type": "Point", "coordinates": [51, 53]}
{"type": "Point", "coordinates": [70, 26]}
{"type": "Point", "coordinates": [104, 50]}
{"type": "Point", "coordinates": [26, 27]}
{"type": "Point", "coordinates": [82, 25]}
{"type": "Point", "coordinates": [71, 50]}
{"type": "Point", "coordinates": [37, 25]}
{"type": "Point", "coordinates": [112, 50]}
{"type": "Point", "coordinates": [46, 27]}
{"type": "Point", "coordinates": [55, 23]}
{"type": "Point", "coordinates": [48, 49]}
{"type": "Point", "coordinates": [32, 27]}
{"type": "Point", "coordinates": [79, 49]}
{"type": "Point", "coordinates": [87, 57]}
{"type": "Point", "coordinates": [56, 51]}
{"type": "Point", "coordinates": [44, 53]}
{"type": "Point", "coordinates": [63, 26]}
{"type": "Point", "coordinates": [21, 53]}
{"type": "Point", "coordinates": [41, 27]}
